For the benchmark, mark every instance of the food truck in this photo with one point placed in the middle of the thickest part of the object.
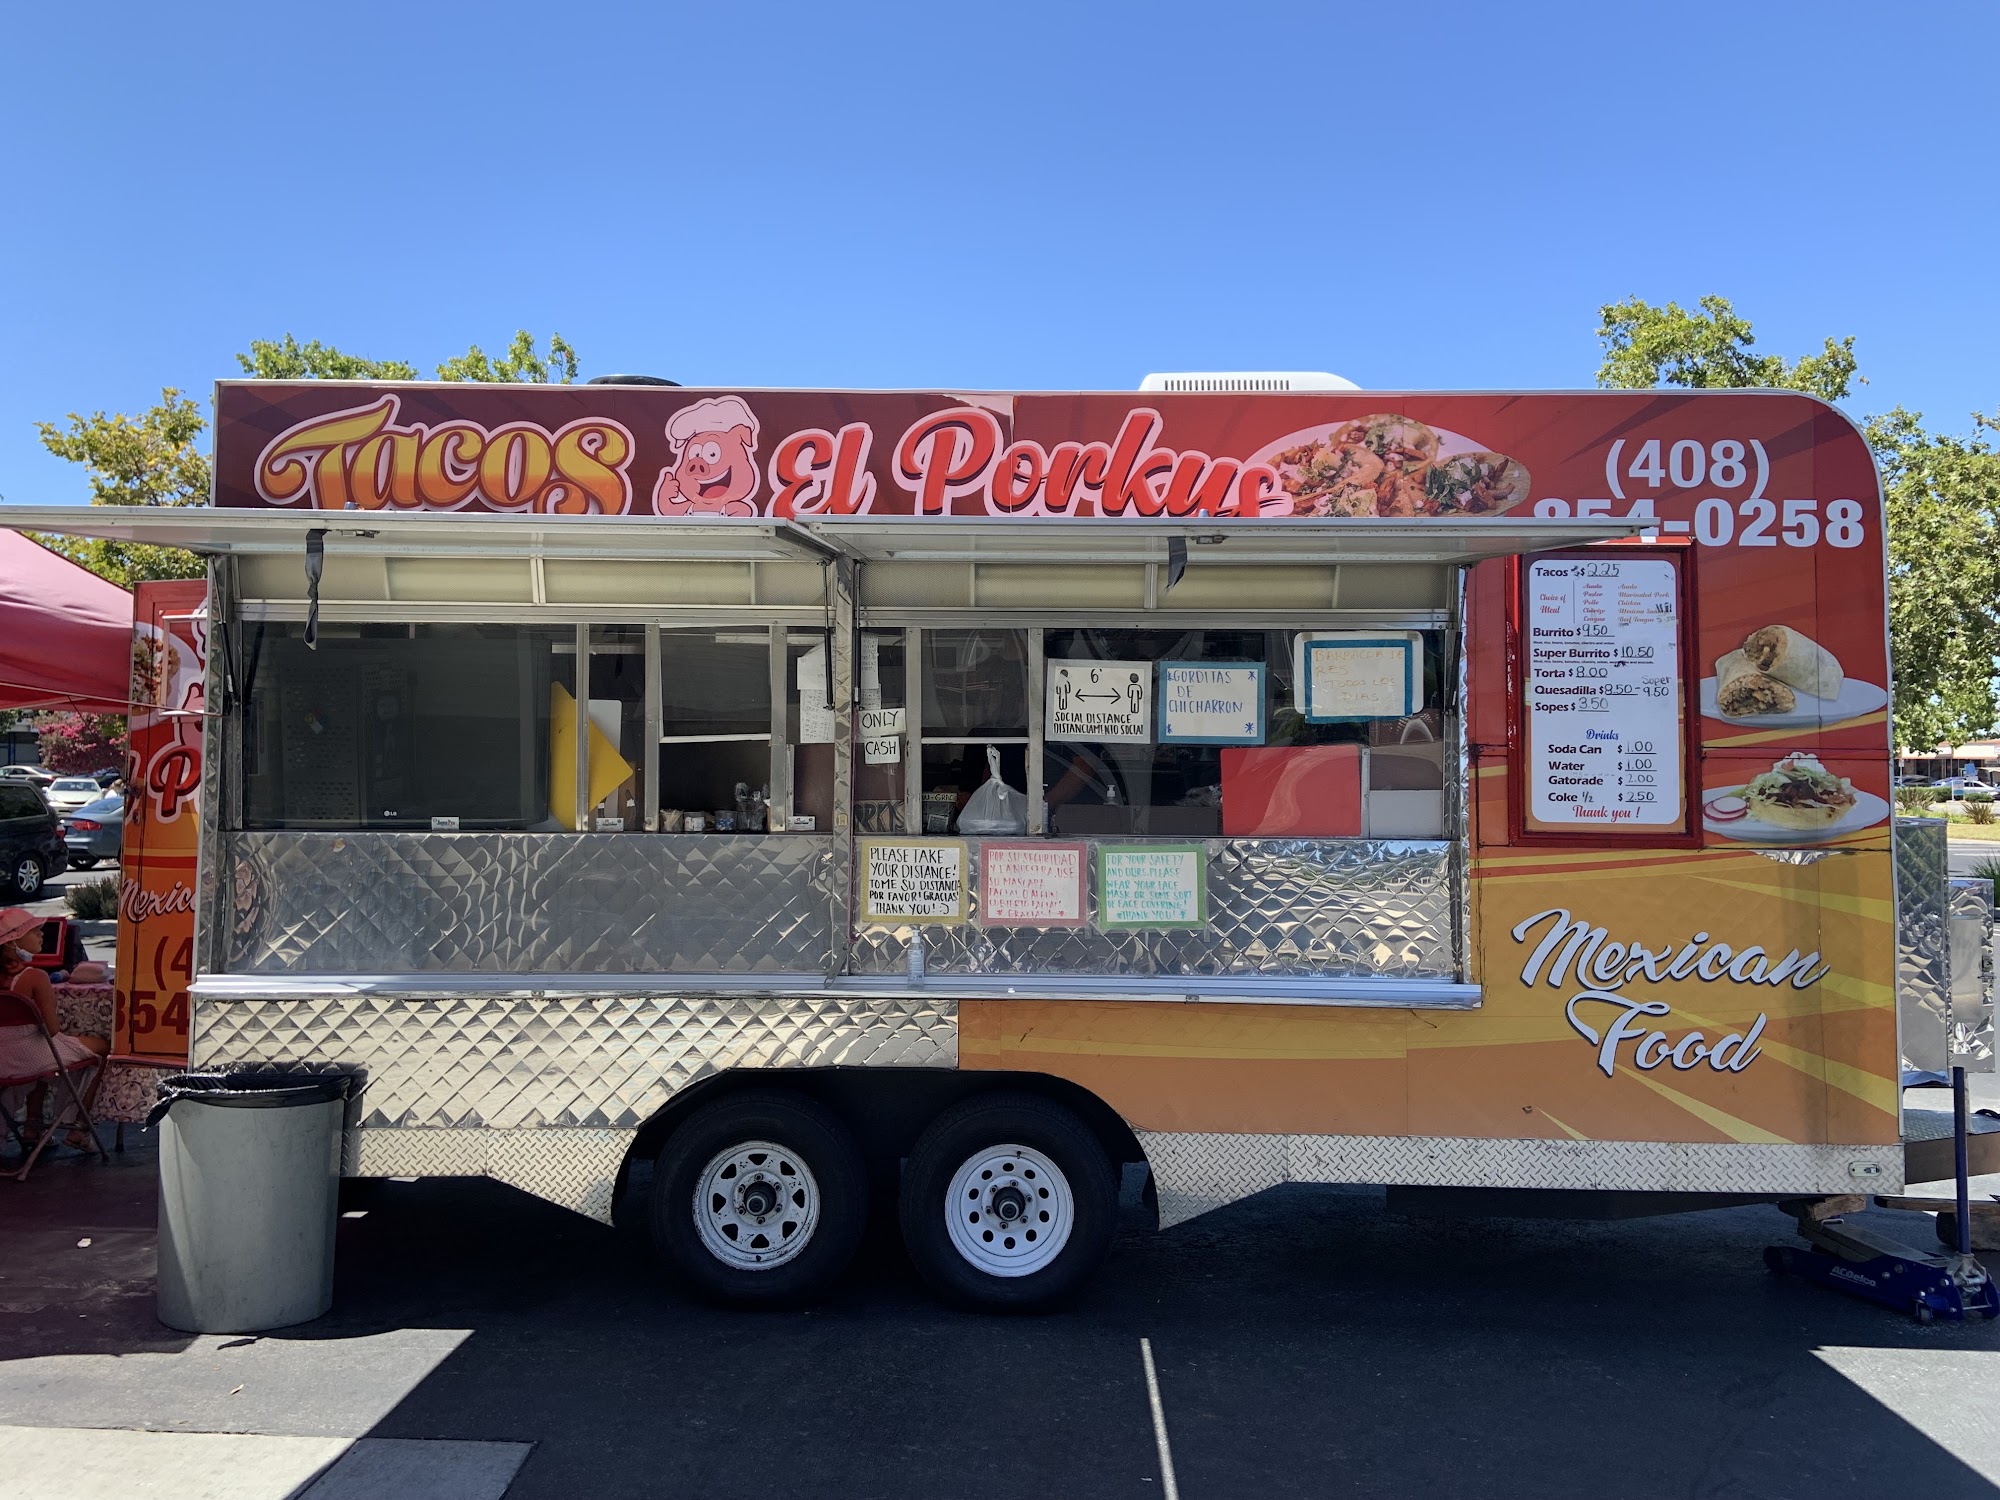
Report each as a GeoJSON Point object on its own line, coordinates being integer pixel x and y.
{"type": "Point", "coordinates": [963, 796]}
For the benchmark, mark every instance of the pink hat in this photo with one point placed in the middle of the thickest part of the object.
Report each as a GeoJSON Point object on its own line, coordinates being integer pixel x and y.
{"type": "Point", "coordinates": [16, 922]}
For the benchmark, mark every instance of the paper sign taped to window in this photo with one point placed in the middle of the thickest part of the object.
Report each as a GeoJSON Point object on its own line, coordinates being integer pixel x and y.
{"type": "Point", "coordinates": [879, 721]}
{"type": "Point", "coordinates": [885, 751]}
{"type": "Point", "coordinates": [815, 717]}
{"type": "Point", "coordinates": [911, 880]}
{"type": "Point", "coordinates": [1157, 886]}
{"type": "Point", "coordinates": [1031, 885]}
{"type": "Point", "coordinates": [1211, 703]}
{"type": "Point", "coordinates": [1099, 700]}
{"type": "Point", "coordinates": [1358, 679]}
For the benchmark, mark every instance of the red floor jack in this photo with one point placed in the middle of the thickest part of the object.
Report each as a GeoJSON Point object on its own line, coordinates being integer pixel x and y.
{"type": "Point", "coordinates": [1854, 1260]}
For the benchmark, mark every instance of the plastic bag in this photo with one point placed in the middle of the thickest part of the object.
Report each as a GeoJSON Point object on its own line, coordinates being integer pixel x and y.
{"type": "Point", "coordinates": [996, 807]}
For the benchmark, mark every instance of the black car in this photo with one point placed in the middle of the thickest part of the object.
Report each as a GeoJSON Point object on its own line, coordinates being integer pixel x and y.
{"type": "Point", "coordinates": [31, 841]}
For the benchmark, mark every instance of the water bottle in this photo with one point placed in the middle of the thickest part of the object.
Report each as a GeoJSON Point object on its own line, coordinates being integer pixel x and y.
{"type": "Point", "coordinates": [915, 955]}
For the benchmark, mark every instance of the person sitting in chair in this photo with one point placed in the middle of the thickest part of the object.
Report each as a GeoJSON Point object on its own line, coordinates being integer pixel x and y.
{"type": "Point", "coordinates": [22, 1049]}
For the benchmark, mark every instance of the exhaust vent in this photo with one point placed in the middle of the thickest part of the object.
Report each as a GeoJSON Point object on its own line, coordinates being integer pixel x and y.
{"type": "Point", "coordinates": [1248, 380]}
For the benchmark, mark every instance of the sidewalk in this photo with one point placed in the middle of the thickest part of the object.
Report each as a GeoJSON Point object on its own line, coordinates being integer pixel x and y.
{"type": "Point", "coordinates": [99, 1401]}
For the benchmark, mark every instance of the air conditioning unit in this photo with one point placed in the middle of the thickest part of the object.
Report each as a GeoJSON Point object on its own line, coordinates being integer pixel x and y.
{"type": "Point", "coordinates": [1248, 380]}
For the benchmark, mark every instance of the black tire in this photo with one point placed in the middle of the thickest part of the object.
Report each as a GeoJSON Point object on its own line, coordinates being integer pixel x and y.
{"type": "Point", "coordinates": [992, 1125]}
{"type": "Point", "coordinates": [82, 861]}
{"type": "Point", "coordinates": [25, 876]}
{"type": "Point", "coordinates": [808, 1137]}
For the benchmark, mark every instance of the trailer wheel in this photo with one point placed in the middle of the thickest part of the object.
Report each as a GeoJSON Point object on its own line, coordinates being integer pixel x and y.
{"type": "Point", "coordinates": [1008, 1202]}
{"type": "Point", "coordinates": [759, 1199]}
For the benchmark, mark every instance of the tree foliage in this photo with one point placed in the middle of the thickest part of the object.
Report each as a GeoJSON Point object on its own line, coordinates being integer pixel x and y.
{"type": "Point", "coordinates": [155, 457]}
{"type": "Point", "coordinates": [1942, 497]}
{"type": "Point", "coordinates": [1709, 350]}
{"type": "Point", "coordinates": [77, 744]}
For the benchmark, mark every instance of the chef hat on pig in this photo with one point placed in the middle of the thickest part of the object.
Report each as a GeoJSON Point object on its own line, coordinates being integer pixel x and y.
{"type": "Point", "coordinates": [715, 414]}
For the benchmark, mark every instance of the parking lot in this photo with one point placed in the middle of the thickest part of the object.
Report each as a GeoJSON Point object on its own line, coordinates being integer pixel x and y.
{"type": "Point", "coordinates": [1307, 1342]}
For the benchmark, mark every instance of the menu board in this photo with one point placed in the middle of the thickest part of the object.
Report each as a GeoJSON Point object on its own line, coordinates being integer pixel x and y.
{"type": "Point", "coordinates": [912, 880]}
{"type": "Point", "coordinates": [1603, 694]}
{"type": "Point", "coordinates": [1031, 885]}
{"type": "Point", "coordinates": [1158, 886]}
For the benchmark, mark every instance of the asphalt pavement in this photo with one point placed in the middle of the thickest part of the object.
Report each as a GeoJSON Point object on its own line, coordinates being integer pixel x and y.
{"type": "Point", "coordinates": [1306, 1342]}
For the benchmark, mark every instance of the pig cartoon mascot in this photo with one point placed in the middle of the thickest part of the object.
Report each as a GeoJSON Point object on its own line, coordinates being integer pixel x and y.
{"type": "Point", "coordinates": [714, 472]}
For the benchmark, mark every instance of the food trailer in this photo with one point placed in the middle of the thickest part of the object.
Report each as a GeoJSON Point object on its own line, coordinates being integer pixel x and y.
{"type": "Point", "coordinates": [962, 796]}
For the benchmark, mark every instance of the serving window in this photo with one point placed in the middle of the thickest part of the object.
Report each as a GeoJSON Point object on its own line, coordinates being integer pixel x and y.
{"type": "Point", "coordinates": [1176, 731]}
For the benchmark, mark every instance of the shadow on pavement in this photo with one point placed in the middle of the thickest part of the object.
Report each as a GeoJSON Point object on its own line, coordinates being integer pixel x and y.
{"type": "Point", "coordinates": [1309, 1343]}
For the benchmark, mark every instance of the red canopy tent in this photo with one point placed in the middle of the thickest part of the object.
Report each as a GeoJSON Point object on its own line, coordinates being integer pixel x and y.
{"type": "Point", "coordinates": [65, 633]}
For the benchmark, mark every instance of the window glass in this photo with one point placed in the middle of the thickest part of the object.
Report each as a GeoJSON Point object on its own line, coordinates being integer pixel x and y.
{"type": "Point", "coordinates": [1134, 787]}
{"type": "Point", "coordinates": [975, 682]}
{"type": "Point", "coordinates": [715, 702]}
{"type": "Point", "coordinates": [618, 793]}
{"type": "Point", "coordinates": [809, 726]}
{"type": "Point", "coordinates": [20, 802]}
{"type": "Point", "coordinates": [395, 726]}
{"type": "Point", "coordinates": [880, 686]}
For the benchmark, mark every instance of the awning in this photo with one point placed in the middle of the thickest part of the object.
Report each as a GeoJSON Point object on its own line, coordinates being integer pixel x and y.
{"type": "Point", "coordinates": [65, 633]}
{"type": "Point", "coordinates": [1448, 540]}
{"type": "Point", "coordinates": [1358, 539]}
{"type": "Point", "coordinates": [213, 531]}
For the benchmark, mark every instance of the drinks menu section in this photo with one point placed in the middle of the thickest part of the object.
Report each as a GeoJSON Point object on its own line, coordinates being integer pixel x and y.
{"type": "Point", "coordinates": [1603, 695]}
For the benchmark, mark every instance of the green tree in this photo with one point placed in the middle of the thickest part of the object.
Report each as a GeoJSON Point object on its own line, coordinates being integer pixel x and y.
{"type": "Point", "coordinates": [521, 364]}
{"type": "Point", "coordinates": [288, 359]}
{"type": "Point", "coordinates": [1708, 350]}
{"type": "Point", "coordinates": [156, 457]}
{"type": "Point", "coordinates": [1942, 498]}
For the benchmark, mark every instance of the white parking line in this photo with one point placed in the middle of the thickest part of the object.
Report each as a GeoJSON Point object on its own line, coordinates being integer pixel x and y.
{"type": "Point", "coordinates": [1171, 1489]}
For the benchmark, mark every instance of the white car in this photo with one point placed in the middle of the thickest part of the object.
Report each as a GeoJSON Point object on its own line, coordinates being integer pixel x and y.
{"type": "Point", "coordinates": [67, 793]}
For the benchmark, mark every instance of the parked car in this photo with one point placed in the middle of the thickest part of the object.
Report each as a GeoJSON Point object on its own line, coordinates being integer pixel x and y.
{"type": "Point", "coordinates": [95, 831]}
{"type": "Point", "coordinates": [31, 841]}
{"type": "Point", "coordinates": [68, 793]}
{"type": "Point", "coordinates": [1958, 786]}
{"type": "Point", "coordinates": [33, 775]}
{"type": "Point", "coordinates": [105, 775]}
{"type": "Point", "coordinates": [1913, 780]}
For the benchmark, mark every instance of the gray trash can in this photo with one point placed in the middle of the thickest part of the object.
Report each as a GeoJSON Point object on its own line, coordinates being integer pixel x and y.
{"type": "Point", "coordinates": [249, 1197]}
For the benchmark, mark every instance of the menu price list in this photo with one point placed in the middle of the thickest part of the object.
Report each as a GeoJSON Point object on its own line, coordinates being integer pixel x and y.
{"type": "Point", "coordinates": [1603, 694]}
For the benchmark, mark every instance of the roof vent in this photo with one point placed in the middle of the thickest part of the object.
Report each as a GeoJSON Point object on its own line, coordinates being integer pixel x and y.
{"type": "Point", "coordinates": [1248, 380]}
{"type": "Point", "coordinates": [631, 380]}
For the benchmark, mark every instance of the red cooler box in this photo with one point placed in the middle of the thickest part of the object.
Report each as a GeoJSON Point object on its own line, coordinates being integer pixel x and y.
{"type": "Point", "coordinates": [1291, 791]}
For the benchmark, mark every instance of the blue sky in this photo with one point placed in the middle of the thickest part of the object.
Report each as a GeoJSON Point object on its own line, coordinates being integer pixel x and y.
{"type": "Point", "coordinates": [1009, 196]}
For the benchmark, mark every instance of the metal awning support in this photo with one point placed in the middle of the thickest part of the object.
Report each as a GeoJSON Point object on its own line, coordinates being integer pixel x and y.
{"type": "Point", "coordinates": [213, 531]}
{"type": "Point", "coordinates": [1446, 540]}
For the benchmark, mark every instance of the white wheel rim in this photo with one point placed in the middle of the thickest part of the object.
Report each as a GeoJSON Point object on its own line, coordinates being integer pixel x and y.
{"type": "Point", "coordinates": [1009, 1210]}
{"type": "Point", "coordinates": [756, 1205]}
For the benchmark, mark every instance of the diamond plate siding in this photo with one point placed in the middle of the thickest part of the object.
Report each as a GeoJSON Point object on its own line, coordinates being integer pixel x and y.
{"type": "Point", "coordinates": [1341, 908]}
{"type": "Point", "coordinates": [577, 1169]}
{"type": "Point", "coordinates": [528, 903]}
{"type": "Point", "coordinates": [571, 1061]}
{"type": "Point", "coordinates": [1923, 963]}
{"type": "Point", "coordinates": [1194, 1173]}
{"type": "Point", "coordinates": [1971, 1044]}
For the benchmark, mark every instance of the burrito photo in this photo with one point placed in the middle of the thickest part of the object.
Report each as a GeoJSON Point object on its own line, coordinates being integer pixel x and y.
{"type": "Point", "coordinates": [1742, 690]}
{"type": "Point", "coordinates": [1794, 659]}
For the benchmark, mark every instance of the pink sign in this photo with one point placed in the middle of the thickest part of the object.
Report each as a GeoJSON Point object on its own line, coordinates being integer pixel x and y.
{"type": "Point", "coordinates": [1031, 885]}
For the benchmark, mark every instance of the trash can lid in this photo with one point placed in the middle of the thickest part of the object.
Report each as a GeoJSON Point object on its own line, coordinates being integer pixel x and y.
{"type": "Point", "coordinates": [250, 1090]}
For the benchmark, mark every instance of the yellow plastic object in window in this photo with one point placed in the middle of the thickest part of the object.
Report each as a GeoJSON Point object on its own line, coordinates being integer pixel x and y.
{"type": "Point", "coordinates": [608, 769]}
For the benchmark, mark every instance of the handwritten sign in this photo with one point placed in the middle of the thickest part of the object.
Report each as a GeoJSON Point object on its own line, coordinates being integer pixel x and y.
{"type": "Point", "coordinates": [1604, 694]}
{"type": "Point", "coordinates": [1358, 679]}
{"type": "Point", "coordinates": [911, 880]}
{"type": "Point", "coordinates": [1154, 886]}
{"type": "Point", "coordinates": [1211, 703]}
{"type": "Point", "coordinates": [1031, 885]}
{"type": "Point", "coordinates": [881, 731]}
{"type": "Point", "coordinates": [1099, 700]}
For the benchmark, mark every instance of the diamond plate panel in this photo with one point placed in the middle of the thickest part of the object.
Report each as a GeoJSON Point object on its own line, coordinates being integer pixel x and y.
{"type": "Point", "coordinates": [1343, 908]}
{"type": "Point", "coordinates": [1923, 964]}
{"type": "Point", "coordinates": [572, 1061]}
{"type": "Point", "coordinates": [1194, 1173]}
{"type": "Point", "coordinates": [529, 903]}
{"type": "Point", "coordinates": [577, 1169]}
{"type": "Point", "coordinates": [1971, 1042]}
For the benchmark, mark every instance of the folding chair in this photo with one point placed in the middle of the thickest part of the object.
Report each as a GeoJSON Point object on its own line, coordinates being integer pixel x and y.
{"type": "Point", "coordinates": [18, 1010]}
